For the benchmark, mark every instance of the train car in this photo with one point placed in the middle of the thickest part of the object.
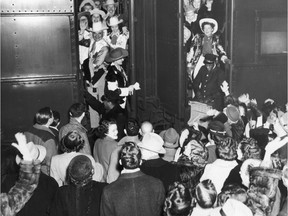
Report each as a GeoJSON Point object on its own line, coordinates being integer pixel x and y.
{"type": "Point", "coordinates": [40, 64]}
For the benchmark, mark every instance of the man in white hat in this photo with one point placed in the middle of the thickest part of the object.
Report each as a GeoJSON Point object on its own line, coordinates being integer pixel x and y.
{"type": "Point", "coordinates": [97, 53]}
{"type": "Point", "coordinates": [151, 146]}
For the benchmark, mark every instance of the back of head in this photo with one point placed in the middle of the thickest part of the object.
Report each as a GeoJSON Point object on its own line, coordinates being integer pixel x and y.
{"type": "Point", "coordinates": [250, 149]}
{"type": "Point", "coordinates": [76, 110]}
{"type": "Point", "coordinates": [146, 127]}
{"type": "Point", "coordinates": [232, 113]}
{"type": "Point", "coordinates": [227, 149]}
{"type": "Point", "coordinates": [43, 115]}
{"type": "Point", "coordinates": [57, 119]}
{"type": "Point", "coordinates": [206, 194]}
{"type": "Point", "coordinates": [132, 127]}
{"type": "Point", "coordinates": [103, 128]}
{"type": "Point", "coordinates": [233, 191]}
{"type": "Point", "coordinates": [178, 200]}
{"type": "Point", "coordinates": [217, 131]}
{"type": "Point", "coordinates": [71, 142]}
{"type": "Point", "coordinates": [80, 170]}
{"type": "Point", "coordinates": [130, 155]}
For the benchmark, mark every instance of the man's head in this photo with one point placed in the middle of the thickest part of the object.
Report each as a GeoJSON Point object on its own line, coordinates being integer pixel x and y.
{"type": "Point", "coordinates": [98, 31]}
{"type": "Point", "coordinates": [232, 113]}
{"type": "Point", "coordinates": [130, 156]}
{"type": "Point", "coordinates": [56, 118]}
{"type": "Point", "coordinates": [77, 111]}
{"type": "Point", "coordinates": [132, 127]}
{"type": "Point", "coordinates": [44, 116]}
{"type": "Point", "coordinates": [209, 61]}
{"type": "Point", "coordinates": [146, 127]}
{"type": "Point", "coordinates": [110, 6]}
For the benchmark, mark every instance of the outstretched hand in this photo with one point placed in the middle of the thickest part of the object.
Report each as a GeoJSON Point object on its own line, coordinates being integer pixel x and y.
{"type": "Point", "coordinates": [22, 146]}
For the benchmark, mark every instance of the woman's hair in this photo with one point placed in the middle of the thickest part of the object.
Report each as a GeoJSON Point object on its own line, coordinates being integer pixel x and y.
{"type": "Point", "coordinates": [103, 128]}
{"type": "Point", "coordinates": [234, 191]}
{"type": "Point", "coordinates": [71, 142]}
{"type": "Point", "coordinates": [250, 149]}
{"type": "Point", "coordinates": [207, 23]}
{"type": "Point", "coordinates": [178, 201]}
{"type": "Point", "coordinates": [130, 155]}
{"type": "Point", "coordinates": [43, 115]}
{"type": "Point", "coordinates": [206, 194]}
{"type": "Point", "coordinates": [227, 149]}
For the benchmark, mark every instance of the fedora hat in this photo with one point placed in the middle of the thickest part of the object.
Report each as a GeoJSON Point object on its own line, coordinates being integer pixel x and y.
{"type": "Point", "coordinates": [37, 152]}
{"type": "Point", "coordinates": [97, 11]}
{"type": "Point", "coordinates": [85, 2]}
{"type": "Point", "coordinates": [211, 21]}
{"type": "Point", "coordinates": [116, 54]}
{"type": "Point", "coordinates": [152, 142]}
{"type": "Point", "coordinates": [170, 138]}
{"type": "Point", "coordinates": [113, 21]}
{"type": "Point", "coordinates": [110, 2]}
{"type": "Point", "coordinates": [98, 26]}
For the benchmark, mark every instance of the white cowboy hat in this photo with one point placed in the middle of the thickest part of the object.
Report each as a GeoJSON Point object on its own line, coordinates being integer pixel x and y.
{"type": "Point", "coordinates": [37, 152]}
{"type": "Point", "coordinates": [110, 2]}
{"type": "Point", "coordinates": [97, 11]}
{"type": "Point", "coordinates": [98, 26]}
{"type": "Point", "coordinates": [85, 2]}
{"type": "Point", "coordinates": [152, 142]}
{"type": "Point", "coordinates": [211, 21]}
{"type": "Point", "coordinates": [113, 21]}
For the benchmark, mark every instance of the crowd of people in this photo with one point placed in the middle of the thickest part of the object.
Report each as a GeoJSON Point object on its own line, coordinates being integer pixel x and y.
{"type": "Point", "coordinates": [230, 161]}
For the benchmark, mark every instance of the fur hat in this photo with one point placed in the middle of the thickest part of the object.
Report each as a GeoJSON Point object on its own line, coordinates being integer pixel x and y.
{"type": "Point", "coordinates": [116, 54]}
{"type": "Point", "coordinates": [209, 58]}
{"type": "Point", "coordinates": [152, 142]}
{"type": "Point", "coordinates": [210, 21]}
{"type": "Point", "coordinates": [37, 152]}
{"type": "Point", "coordinates": [233, 113]}
{"type": "Point", "coordinates": [170, 138]}
{"type": "Point", "coordinates": [80, 170]}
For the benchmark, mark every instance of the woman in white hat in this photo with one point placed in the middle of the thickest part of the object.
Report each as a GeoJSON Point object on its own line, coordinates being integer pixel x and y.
{"type": "Point", "coordinates": [116, 37]}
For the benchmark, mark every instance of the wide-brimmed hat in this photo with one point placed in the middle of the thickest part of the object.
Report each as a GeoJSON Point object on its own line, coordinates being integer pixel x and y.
{"type": "Point", "coordinates": [84, 13]}
{"type": "Point", "coordinates": [97, 11]}
{"type": "Point", "coordinates": [37, 152]}
{"type": "Point", "coordinates": [85, 2]}
{"type": "Point", "coordinates": [113, 21]}
{"type": "Point", "coordinates": [98, 26]}
{"type": "Point", "coordinates": [152, 142]}
{"type": "Point", "coordinates": [211, 21]}
{"type": "Point", "coordinates": [209, 58]}
{"type": "Point", "coordinates": [116, 54]}
{"type": "Point", "coordinates": [110, 2]}
{"type": "Point", "coordinates": [170, 138]}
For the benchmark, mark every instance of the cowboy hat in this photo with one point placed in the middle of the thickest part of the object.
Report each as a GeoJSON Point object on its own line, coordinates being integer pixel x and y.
{"type": "Point", "coordinates": [85, 2]}
{"type": "Point", "coordinates": [98, 26]}
{"type": "Point", "coordinates": [84, 13]}
{"type": "Point", "coordinates": [152, 142]}
{"type": "Point", "coordinates": [97, 11]}
{"type": "Point", "coordinates": [116, 54]}
{"type": "Point", "coordinates": [37, 152]}
{"type": "Point", "coordinates": [113, 21]}
{"type": "Point", "coordinates": [110, 2]}
{"type": "Point", "coordinates": [210, 21]}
